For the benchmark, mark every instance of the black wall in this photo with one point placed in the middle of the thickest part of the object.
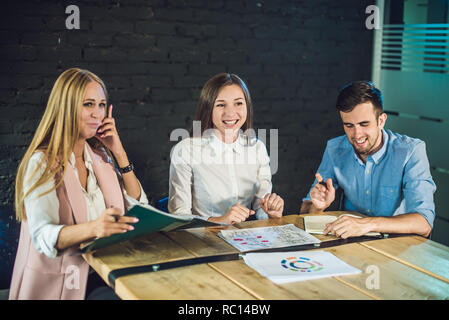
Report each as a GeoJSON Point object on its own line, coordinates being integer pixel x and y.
{"type": "Point", "coordinates": [155, 56]}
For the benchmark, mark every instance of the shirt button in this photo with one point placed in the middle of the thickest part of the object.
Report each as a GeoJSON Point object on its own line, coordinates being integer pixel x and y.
{"type": "Point", "coordinates": [367, 171]}
{"type": "Point", "coordinates": [368, 210]}
{"type": "Point", "coordinates": [367, 191]}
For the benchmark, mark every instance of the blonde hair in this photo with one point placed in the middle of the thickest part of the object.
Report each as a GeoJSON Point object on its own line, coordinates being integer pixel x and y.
{"type": "Point", "coordinates": [56, 135]}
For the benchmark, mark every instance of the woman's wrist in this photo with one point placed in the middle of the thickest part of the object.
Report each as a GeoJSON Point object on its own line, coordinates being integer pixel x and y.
{"type": "Point", "coordinates": [75, 235]}
{"type": "Point", "coordinates": [215, 219]}
{"type": "Point", "coordinates": [89, 230]}
{"type": "Point", "coordinates": [122, 158]}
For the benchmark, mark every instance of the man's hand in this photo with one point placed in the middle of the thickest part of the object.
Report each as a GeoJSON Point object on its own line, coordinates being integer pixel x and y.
{"type": "Point", "coordinates": [346, 227]}
{"type": "Point", "coordinates": [320, 195]}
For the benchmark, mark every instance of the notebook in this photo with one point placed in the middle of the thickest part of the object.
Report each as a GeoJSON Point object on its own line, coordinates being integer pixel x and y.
{"type": "Point", "coordinates": [317, 224]}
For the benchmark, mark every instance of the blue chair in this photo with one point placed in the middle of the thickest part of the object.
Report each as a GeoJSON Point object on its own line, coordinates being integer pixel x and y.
{"type": "Point", "coordinates": [162, 204]}
{"type": "Point", "coordinates": [9, 240]}
{"type": "Point", "coordinates": [341, 202]}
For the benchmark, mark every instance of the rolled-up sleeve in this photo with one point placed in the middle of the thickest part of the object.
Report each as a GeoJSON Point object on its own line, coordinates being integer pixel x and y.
{"type": "Point", "coordinates": [42, 211]}
{"type": "Point", "coordinates": [418, 185]}
{"type": "Point", "coordinates": [326, 170]}
{"type": "Point", "coordinates": [264, 184]}
{"type": "Point", "coordinates": [180, 181]}
{"type": "Point", "coordinates": [130, 201]}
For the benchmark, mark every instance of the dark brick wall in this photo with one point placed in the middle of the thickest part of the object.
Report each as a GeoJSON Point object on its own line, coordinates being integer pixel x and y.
{"type": "Point", "coordinates": [155, 56]}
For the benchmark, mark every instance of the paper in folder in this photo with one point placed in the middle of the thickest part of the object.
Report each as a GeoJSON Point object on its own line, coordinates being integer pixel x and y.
{"type": "Point", "coordinates": [150, 220]}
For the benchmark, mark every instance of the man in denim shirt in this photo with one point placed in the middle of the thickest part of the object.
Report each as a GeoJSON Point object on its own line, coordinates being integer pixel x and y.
{"type": "Point", "coordinates": [384, 175]}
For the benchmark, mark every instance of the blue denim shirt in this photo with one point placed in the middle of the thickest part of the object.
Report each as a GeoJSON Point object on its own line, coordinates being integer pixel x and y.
{"type": "Point", "coordinates": [394, 180]}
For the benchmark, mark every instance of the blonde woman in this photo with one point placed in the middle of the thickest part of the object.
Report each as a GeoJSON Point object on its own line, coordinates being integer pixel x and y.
{"type": "Point", "coordinates": [67, 191]}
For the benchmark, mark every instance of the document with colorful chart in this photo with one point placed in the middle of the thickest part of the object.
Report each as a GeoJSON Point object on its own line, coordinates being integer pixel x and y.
{"type": "Point", "coordinates": [284, 267]}
{"type": "Point", "coordinates": [267, 237]}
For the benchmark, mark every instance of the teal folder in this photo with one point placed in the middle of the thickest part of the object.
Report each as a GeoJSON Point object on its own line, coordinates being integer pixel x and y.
{"type": "Point", "coordinates": [150, 220]}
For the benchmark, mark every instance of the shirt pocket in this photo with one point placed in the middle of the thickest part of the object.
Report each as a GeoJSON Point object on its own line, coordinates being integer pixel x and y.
{"type": "Point", "coordinates": [389, 192]}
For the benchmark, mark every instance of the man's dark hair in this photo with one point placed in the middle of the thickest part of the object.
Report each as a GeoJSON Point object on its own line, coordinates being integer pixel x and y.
{"type": "Point", "coordinates": [358, 92]}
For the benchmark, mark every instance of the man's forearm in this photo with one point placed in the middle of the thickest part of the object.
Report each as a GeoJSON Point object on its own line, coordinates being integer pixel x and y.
{"type": "Point", "coordinates": [404, 223]}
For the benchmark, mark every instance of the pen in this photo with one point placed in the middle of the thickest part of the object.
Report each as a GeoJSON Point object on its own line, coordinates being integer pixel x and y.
{"type": "Point", "coordinates": [116, 216]}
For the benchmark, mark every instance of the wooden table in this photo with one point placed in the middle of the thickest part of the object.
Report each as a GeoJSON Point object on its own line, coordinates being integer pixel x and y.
{"type": "Point", "coordinates": [409, 267]}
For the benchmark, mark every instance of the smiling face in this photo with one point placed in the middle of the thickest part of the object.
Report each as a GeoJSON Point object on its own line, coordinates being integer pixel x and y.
{"type": "Point", "coordinates": [364, 129]}
{"type": "Point", "coordinates": [93, 110]}
{"type": "Point", "coordinates": [229, 112]}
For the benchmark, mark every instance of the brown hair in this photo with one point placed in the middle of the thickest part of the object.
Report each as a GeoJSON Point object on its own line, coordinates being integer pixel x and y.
{"type": "Point", "coordinates": [358, 92]}
{"type": "Point", "coordinates": [209, 94]}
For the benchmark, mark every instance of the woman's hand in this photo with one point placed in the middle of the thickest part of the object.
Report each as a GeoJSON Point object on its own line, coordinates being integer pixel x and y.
{"type": "Point", "coordinates": [236, 214]}
{"type": "Point", "coordinates": [110, 222]}
{"type": "Point", "coordinates": [273, 205]}
{"type": "Point", "coordinates": [108, 135]}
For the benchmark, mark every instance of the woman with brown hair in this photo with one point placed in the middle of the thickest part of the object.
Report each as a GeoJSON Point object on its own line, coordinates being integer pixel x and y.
{"type": "Point", "coordinates": [67, 190]}
{"type": "Point", "coordinates": [224, 174]}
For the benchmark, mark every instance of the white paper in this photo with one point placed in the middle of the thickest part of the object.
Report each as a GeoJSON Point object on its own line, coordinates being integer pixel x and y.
{"type": "Point", "coordinates": [267, 237]}
{"type": "Point", "coordinates": [284, 267]}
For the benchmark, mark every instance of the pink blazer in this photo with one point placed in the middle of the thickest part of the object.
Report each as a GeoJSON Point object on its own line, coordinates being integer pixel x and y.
{"type": "Point", "coordinates": [36, 276]}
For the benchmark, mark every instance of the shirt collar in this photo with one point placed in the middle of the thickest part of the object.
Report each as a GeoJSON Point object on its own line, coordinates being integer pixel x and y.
{"type": "Point", "coordinates": [219, 146]}
{"type": "Point", "coordinates": [378, 156]}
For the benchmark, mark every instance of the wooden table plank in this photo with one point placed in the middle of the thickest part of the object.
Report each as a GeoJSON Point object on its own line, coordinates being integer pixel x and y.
{"type": "Point", "coordinates": [406, 265]}
{"type": "Point", "coordinates": [205, 241]}
{"type": "Point", "coordinates": [263, 288]}
{"type": "Point", "coordinates": [396, 280]}
{"type": "Point", "coordinates": [144, 250]}
{"type": "Point", "coordinates": [186, 283]}
{"type": "Point", "coordinates": [202, 241]}
{"type": "Point", "coordinates": [197, 282]}
{"type": "Point", "coordinates": [417, 252]}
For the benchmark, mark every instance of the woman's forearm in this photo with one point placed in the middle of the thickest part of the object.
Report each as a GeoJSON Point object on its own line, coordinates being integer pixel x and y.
{"type": "Point", "coordinates": [74, 235]}
{"type": "Point", "coordinates": [132, 185]}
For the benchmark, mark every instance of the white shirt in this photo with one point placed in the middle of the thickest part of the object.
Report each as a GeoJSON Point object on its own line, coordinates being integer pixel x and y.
{"type": "Point", "coordinates": [43, 212]}
{"type": "Point", "coordinates": [207, 176]}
